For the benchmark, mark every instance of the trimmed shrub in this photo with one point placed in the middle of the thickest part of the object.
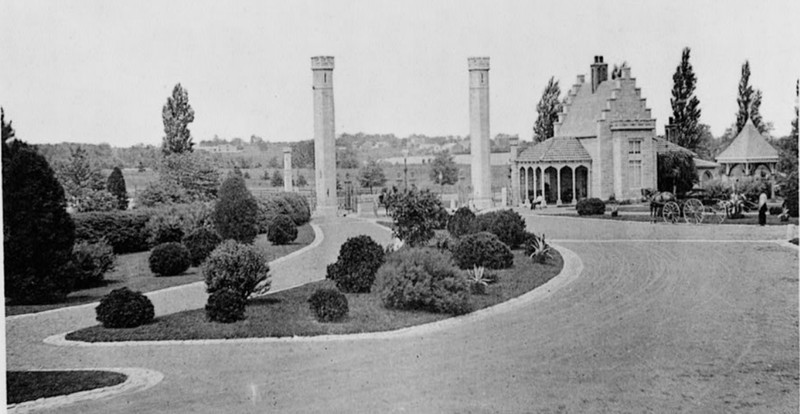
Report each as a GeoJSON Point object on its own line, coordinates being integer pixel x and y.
{"type": "Point", "coordinates": [775, 210]}
{"type": "Point", "coordinates": [38, 234]}
{"type": "Point", "coordinates": [440, 218]}
{"type": "Point", "coordinates": [790, 194]}
{"type": "Point", "coordinates": [123, 308]}
{"type": "Point", "coordinates": [414, 215]}
{"type": "Point", "coordinates": [162, 192]}
{"type": "Point", "coordinates": [170, 223]}
{"type": "Point", "coordinates": [328, 305]}
{"type": "Point", "coordinates": [225, 306]}
{"type": "Point", "coordinates": [91, 261]}
{"type": "Point", "coordinates": [116, 186]}
{"type": "Point", "coordinates": [237, 267]}
{"type": "Point", "coordinates": [282, 230]}
{"type": "Point", "coordinates": [462, 222]}
{"type": "Point", "coordinates": [126, 231]}
{"type": "Point", "coordinates": [293, 205]}
{"type": "Point", "coordinates": [355, 268]}
{"type": "Point", "coordinates": [482, 249]}
{"type": "Point", "coordinates": [423, 279]}
{"type": "Point", "coordinates": [507, 225]}
{"type": "Point", "coordinates": [236, 211]}
{"type": "Point", "coordinates": [590, 206]}
{"type": "Point", "coordinates": [200, 244]}
{"type": "Point", "coordinates": [169, 259]}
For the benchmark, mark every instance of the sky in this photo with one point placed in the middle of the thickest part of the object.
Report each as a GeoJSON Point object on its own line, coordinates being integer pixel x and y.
{"type": "Point", "coordinates": [98, 71]}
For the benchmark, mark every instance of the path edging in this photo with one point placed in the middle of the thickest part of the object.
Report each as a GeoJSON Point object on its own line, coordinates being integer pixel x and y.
{"type": "Point", "coordinates": [573, 267]}
{"type": "Point", "coordinates": [138, 379]}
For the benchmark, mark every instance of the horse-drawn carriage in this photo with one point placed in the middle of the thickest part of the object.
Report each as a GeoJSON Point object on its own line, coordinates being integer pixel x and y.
{"type": "Point", "coordinates": [693, 207]}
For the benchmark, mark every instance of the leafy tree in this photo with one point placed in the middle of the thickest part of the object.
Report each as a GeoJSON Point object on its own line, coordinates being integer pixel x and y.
{"type": "Point", "coordinates": [676, 171]}
{"type": "Point", "coordinates": [787, 146]}
{"type": "Point", "coordinates": [79, 174]}
{"type": "Point", "coordinates": [744, 99]}
{"type": "Point", "coordinates": [236, 212]}
{"type": "Point", "coordinates": [685, 105]}
{"type": "Point", "coordinates": [7, 129]}
{"type": "Point", "coordinates": [38, 233]}
{"type": "Point", "coordinates": [371, 175]}
{"type": "Point", "coordinates": [301, 181]}
{"type": "Point", "coordinates": [277, 179]}
{"type": "Point", "coordinates": [303, 154]}
{"type": "Point", "coordinates": [347, 158]}
{"type": "Point", "coordinates": [193, 172]}
{"type": "Point", "coordinates": [415, 216]}
{"type": "Point", "coordinates": [548, 108]}
{"type": "Point", "coordinates": [444, 166]}
{"type": "Point", "coordinates": [116, 186]}
{"type": "Point", "coordinates": [616, 72]}
{"type": "Point", "coordinates": [273, 163]}
{"type": "Point", "coordinates": [177, 115]}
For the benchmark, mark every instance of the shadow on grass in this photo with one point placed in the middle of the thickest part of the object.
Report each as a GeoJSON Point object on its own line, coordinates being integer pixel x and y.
{"type": "Point", "coordinates": [31, 385]}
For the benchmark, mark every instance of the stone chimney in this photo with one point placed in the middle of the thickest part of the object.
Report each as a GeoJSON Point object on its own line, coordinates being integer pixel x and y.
{"type": "Point", "coordinates": [513, 143]}
{"type": "Point", "coordinates": [599, 72]}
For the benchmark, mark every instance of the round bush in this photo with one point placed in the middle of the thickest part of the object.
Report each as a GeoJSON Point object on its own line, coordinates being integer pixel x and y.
{"type": "Point", "coordinates": [282, 230]}
{"type": "Point", "coordinates": [355, 268]}
{"type": "Point", "coordinates": [91, 261]}
{"type": "Point", "coordinates": [225, 306]}
{"type": "Point", "coordinates": [590, 206]}
{"type": "Point", "coordinates": [423, 279]}
{"type": "Point", "coordinates": [482, 249]}
{"type": "Point", "coordinates": [237, 267]}
{"type": "Point", "coordinates": [169, 259]}
{"type": "Point", "coordinates": [462, 222]}
{"type": "Point", "coordinates": [123, 308]}
{"type": "Point", "coordinates": [328, 305]}
{"type": "Point", "coordinates": [507, 225]}
{"type": "Point", "coordinates": [200, 243]}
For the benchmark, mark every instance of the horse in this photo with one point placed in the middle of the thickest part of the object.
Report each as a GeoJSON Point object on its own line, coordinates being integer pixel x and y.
{"type": "Point", "coordinates": [657, 201]}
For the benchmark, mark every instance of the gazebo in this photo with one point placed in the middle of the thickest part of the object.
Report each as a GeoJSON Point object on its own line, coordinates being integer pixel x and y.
{"type": "Point", "coordinates": [750, 154]}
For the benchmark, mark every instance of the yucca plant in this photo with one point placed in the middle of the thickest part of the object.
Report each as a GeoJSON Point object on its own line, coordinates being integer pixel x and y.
{"type": "Point", "coordinates": [478, 280]}
{"type": "Point", "coordinates": [537, 249]}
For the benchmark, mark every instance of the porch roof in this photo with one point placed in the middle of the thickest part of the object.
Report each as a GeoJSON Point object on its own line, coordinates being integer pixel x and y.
{"type": "Point", "coordinates": [563, 149]}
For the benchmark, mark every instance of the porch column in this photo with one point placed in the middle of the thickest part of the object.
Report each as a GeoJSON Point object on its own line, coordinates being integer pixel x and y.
{"type": "Point", "coordinates": [541, 185]}
{"type": "Point", "coordinates": [574, 201]}
{"type": "Point", "coordinates": [535, 181]}
{"type": "Point", "coordinates": [558, 186]}
{"type": "Point", "coordinates": [527, 184]}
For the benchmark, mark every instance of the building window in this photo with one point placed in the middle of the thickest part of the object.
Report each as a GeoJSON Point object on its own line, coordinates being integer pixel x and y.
{"type": "Point", "coordinates": [635, 146]}
{"type": "Point", "coordinates": [635, 173]}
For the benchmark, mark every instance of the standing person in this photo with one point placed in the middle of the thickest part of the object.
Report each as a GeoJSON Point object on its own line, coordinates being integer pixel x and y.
{"type": "Point", "coordinates": [762, 209]}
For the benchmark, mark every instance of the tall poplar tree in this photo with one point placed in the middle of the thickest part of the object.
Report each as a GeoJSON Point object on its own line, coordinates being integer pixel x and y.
{"type": "Point", "coordinates": [744, 99]}
{"type": "Point", "coordinates": [177, 114]}
{"type": "Point", "coordinates": [548, 108]}
{"type": "Point", "coordinates": [685, 105]}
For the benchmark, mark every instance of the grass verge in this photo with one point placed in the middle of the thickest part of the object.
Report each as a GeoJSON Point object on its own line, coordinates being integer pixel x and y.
{"type": "Point", "coordinates": [287, 313]}
{"type": "Point", "coordinates": [31, 385]}
{"type": "Point", "coordinates": [132, 270]}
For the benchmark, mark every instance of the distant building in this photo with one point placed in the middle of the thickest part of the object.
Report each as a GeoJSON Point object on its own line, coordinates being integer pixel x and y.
{"type": "Point", "coordinates": [222, 148]}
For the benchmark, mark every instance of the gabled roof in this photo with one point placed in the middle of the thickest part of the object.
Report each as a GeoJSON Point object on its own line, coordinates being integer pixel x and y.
{"type": "Point", "coordinates": [555, 149]}
{"type": "Point", "coordinates": [584, 110]}
{"type": "Point", "coordinates": [749, 146]}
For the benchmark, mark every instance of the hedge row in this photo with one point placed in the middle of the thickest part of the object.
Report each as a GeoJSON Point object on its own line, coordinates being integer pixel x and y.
{"type": "Point", "coordinates": [291, 204]}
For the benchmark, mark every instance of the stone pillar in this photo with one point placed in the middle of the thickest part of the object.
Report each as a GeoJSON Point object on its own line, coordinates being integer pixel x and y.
{"type": "Point", "coordinates": [324, 135]}
{"type": "Point", "coordinates": [515, 178]}
{"type": "Point", "coordinates": [558, 187]}
{"type": "Point", "coordinates": [287, 169]}
{"type": "Point", "coordinates": [479, 130]}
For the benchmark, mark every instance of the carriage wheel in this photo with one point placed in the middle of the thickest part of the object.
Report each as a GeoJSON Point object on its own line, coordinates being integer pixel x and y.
{"type": "Point", "coordinates": [671, 212]}
{"type": "Point", "coordinates": [693, 211]}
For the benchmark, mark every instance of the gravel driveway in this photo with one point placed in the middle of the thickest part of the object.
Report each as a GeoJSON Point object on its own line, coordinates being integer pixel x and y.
{"type": "Point", "coordinates": [652, 325]}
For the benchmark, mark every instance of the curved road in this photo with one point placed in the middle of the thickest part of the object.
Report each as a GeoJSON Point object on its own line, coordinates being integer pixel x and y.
{"type": "Point", "coordinates": [663, 319]}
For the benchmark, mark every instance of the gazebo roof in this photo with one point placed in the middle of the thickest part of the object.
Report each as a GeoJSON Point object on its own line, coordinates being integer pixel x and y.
{"type": "Point", "coordinates": [557, 149]}
{"type": "Point", "coordinates": [749, 146]}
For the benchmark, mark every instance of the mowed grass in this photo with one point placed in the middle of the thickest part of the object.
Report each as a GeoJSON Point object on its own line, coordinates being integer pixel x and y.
{"type": "Point", "coordinates": [748, 219]}
{"type": "Point", "coordinates": [31, 385]}
{"type": "Point", "coordinates": [133, 271]}
{"type": "Point", "coordinates": [286, 313]}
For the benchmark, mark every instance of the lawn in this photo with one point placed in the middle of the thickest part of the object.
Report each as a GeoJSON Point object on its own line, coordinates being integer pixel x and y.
{"type": "Point", "coordinates": [132, 270]}
{"type": "Point", "coordinates": [31, 385]}
{"type": "Point", "coordinates": [287, 313]}
{"type": "Point", "coordinates": [749, 218]}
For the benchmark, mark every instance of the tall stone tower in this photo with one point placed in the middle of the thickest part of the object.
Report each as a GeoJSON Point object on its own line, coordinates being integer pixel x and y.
{"type": "Point", "coordinates": [479, 130]}
{"type": "Point", "coordinates": [287, 169]}
{"type": "Point", "coordinates": [324, 135]}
